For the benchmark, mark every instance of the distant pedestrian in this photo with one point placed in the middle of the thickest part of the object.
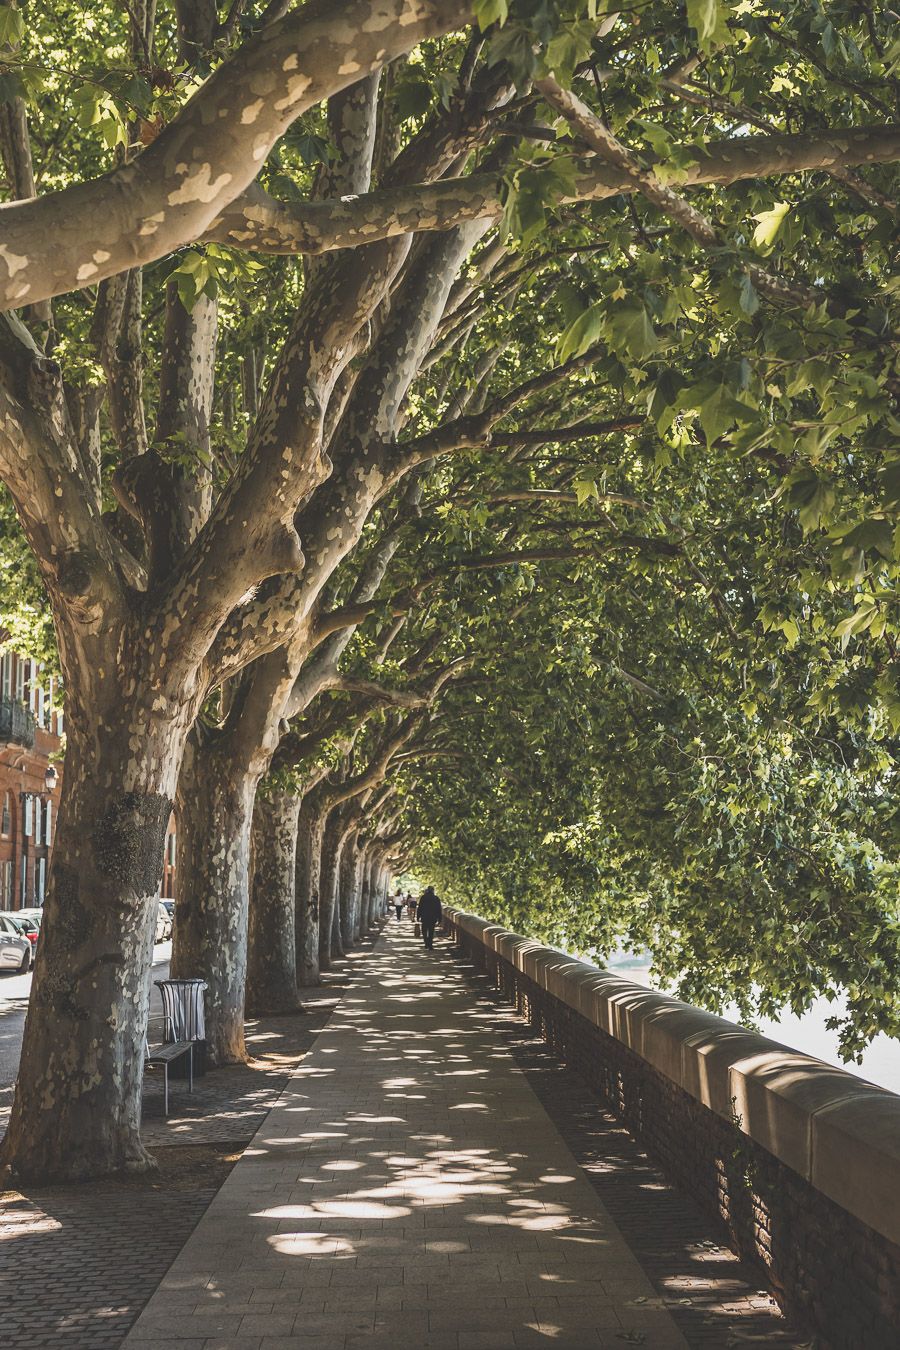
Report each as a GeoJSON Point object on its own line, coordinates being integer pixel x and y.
{"type": "Point", "coordinates": [429, 915]}
{"type": "Point", "coordinates": [411, 905]}
{"type": "Point", "coordinates": [398, 904]}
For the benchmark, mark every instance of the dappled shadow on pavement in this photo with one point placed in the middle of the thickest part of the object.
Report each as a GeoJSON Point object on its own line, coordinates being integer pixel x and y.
{"type": "Point", "coordinates": [717, 1300]}
{"type": "Point", "coordinates": [407, 1190]}
{"type": "Point", "coordinates": [78, 1263]}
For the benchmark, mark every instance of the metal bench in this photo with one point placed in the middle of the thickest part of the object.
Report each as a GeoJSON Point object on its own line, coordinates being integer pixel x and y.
{"type": "Point", "coordinates": [170, 1052]}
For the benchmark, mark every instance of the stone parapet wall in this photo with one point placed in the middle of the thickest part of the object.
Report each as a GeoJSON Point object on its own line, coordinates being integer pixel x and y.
{"type": "Point", "coordinates": [800, 1160]}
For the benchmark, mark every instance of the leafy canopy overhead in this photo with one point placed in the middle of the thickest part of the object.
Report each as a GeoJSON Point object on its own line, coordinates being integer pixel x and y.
{"type": "Point", "coordinates": [676, 571]}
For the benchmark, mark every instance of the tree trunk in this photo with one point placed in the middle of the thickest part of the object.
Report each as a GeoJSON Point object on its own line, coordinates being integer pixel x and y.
{"type": "Point", "coordinates": [365, 893]}
{"type": "Point", "coordinates": [272, 955]}
{"type": "Point", "coordinates": [76, 1112]}
{"type": "Point", "coordinates": [329, 941]}
{"type": "Point", "coordinates": [337, 946]}
{"type": "Point", "coordinates": [310, 830]}
{"type": "Point", "coordinates": [216, 789]}
{"type": "Point", "coordinates": [356, 882]}
{"type": "Point", "coordinates": [346, 896]}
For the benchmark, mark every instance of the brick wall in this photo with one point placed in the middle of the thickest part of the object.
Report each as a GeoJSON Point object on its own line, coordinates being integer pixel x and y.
{"type": "Point", "coordinates": [829, 1269]}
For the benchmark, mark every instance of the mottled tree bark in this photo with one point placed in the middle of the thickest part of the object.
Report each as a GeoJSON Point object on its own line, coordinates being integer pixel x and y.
{"type": "Point", "coordinates": [272, 956]}
{"type": "Point", "coordinates": [216, 789]}
{"type": "Point", "coordinates": [346, 888]}
{"type": "Point", "coordinates": [310, 830]}
{"type": "Point", "coordinates": [329, 940]}
{"type": "Point", "coordinates": [212, 150]}
{"type": "Point", "coordinates": [82, 1055]}
{"type": "Point", "coordinates": [356, 883]}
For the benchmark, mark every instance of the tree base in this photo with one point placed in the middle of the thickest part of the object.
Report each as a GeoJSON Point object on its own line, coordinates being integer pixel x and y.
{"type": "Point", "coordinates": [83, 1167]}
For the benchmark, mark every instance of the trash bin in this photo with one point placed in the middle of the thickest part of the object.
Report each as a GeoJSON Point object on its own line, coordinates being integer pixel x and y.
{"type": "Point", "coordinates": [185, 1016]}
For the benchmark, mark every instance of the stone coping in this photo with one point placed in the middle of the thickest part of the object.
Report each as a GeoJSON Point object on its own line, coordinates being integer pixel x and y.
{"type": "Point", "coordinates": [837, 1131]}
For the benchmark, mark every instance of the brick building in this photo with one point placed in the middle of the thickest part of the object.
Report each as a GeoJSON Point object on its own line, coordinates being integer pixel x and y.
{"type": "Point", "coordinates": [31, 728]}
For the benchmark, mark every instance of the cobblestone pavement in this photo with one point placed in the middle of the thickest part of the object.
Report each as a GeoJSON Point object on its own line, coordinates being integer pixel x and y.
{"type": "Point", "coordinates": [78, 1263]}
{"type": "Point", "coordinates": [407, 1190]}
{"type": "Point", "coordinates": [717, 1301]}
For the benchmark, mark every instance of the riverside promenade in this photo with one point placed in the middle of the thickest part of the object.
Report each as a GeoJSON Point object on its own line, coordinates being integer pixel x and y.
{"type": "Point", "coordinates": [407, 1189]}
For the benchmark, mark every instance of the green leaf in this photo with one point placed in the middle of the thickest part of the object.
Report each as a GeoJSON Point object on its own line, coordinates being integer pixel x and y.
{"type": "Point", "coordinates": [631, 328]}
{"type": "Point", "coordinates": [490, 11]}
{"type": "Point", "coordinates": [585, 490]}
{"type": "Point", "coordinates": [749, 300]}
{"type": "Point", "coordinates": [768, 227]}
{"type": "Point", "coordinates": [12, 26]}
{"type": "Point", "coordinates": [719, 411]}
{"type": "Point", "coordinates": [889, 483]}
{"type": "Point", "coordinates": [413, 98]}
{"type": "Point", "coordinates": [812, 496]}
{"type": "Point", "coordinates": [874, 535]}
{"type": "Point", "coordinates": [857, 622]}
{"type": "Point", "coordinates": [514, 44]}
{"type": "Point", "coordinates": [533, 189]}
{"type": "Point", "coordinates": [709, 20]}
{"type": "Point", "coordinates": [569, 46]}
{"type": "Point", "coordinates": [314, 149]}
{"type": "Point", "coordinates": [583, 333]}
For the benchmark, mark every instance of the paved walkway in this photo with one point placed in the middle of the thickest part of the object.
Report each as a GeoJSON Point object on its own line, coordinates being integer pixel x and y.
{"type": "Point", "coordinates": [408, 1189]}
{"type": "Point", "coordinates": [78, 1263]}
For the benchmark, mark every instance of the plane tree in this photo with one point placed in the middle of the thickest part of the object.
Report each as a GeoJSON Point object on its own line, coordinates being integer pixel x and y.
{"type": "Point", "coordinates": [512, 168]}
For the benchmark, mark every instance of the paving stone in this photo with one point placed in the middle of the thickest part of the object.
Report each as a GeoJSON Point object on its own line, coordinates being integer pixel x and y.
{"type": "Point", "coordinates": [428, 1177]}
{"type": "Point", "coordinates": [427, 1194]}
{"type": "Point", "coordinates": [95, 1254]}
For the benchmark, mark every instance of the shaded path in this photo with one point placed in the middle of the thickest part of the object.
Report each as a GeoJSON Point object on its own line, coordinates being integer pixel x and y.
{"type": "Point", "coordinates": [408, 1189]}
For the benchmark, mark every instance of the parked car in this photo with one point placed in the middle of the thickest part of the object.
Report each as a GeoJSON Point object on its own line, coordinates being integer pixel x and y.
{"type": "Point", "coordinates": [170, 909]}
{"type": "Point", "coordinates": [15, 949]}
{"type": "Point", "coordinates": [163, 923]}
{"type": "Point", "coordinates": [27, 927]}
{"type": "Point", "coordinates": [35, 915]}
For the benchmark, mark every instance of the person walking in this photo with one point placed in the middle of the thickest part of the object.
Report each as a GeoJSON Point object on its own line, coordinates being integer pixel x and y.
{"type": "Point", "coordinates": [429, 915]}
{"type": "Point", "coordinates": [398, 903]}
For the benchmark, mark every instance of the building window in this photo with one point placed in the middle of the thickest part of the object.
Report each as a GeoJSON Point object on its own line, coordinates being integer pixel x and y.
{"type": "Point", "coordinates": [48, 823]}
{"type": "Point", "coordinates": [29, 815]}
{"type": "Point", "coordinates": [172, 850]}
{"type": "Point", "coordinates": [6, 884]}
{"type": "Point", "coordinates": [41, 880]}
{"type": "Point", "coordinates": [23, 889]}
{"type": "Point", "coordinates": [6, 815]}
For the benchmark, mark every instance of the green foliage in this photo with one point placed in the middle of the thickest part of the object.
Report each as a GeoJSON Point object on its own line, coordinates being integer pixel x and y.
{"type": "Point", "coordinates": [683, 735]}
{"type": "Point", "coordinates": [207, 271]}
{"type": "Point", "coordinates": [12, 26]}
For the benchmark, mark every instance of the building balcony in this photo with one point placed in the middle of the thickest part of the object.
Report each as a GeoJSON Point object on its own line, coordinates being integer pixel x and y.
{"type": "Point", "coordinates": [16, 723]}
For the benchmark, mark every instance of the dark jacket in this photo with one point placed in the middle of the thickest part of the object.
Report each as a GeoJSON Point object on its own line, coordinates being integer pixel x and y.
{"type": "Point", "coordinates": [429, 907]}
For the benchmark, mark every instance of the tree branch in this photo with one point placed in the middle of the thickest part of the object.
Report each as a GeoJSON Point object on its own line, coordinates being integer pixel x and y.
{"type": "Point", "coordinates": [213, 149]}
{"type": "Point", "coordinates": [257, 222]}
{"type": "Point", "coordinates": [595, 134]}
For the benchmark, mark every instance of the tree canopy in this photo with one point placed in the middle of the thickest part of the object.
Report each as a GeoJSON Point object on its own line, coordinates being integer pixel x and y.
{"type": "Point", "coordinates": [481, 419]}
